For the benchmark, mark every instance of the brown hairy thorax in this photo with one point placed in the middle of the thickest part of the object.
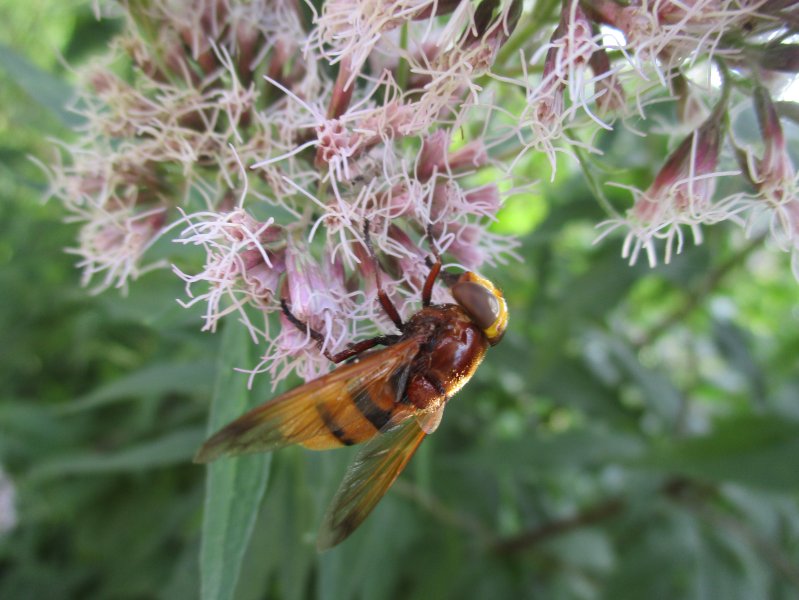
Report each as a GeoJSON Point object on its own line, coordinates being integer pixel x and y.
{"type": "Point", "coordinates": [452, 345]}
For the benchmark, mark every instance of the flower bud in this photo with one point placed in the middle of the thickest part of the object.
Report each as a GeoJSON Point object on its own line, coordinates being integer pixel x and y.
{"type": "Point", "coordinates": [779, 57]}
{"type": "Point", "coordinates": [305, 282]}
{"type": "Point", "coordinates": [465, 245]}
{"type": "Point", "coordinates": [342, 90]}
{"type": "Point", "coordinates": [262, 271]}
{"type": "Point", "coordinates": [484, 200]}
{"type": "Point", "coordinates": [433, 155]}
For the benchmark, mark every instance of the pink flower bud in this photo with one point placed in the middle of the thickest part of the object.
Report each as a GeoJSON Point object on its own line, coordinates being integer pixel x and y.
{"type": "Point", "coordinates": [442, 200]}
{"type": "Point", "coordinates": [410, 262]}
{"type": "Point", "coordinates": [433, 154]}
{"type": "Point", "coordinates": [305, 283]}
{"type": "Point", "coordinates": [336, 144]}
{"type": "Point", "coordinates": [780, 57]}
{"type": "Point", "coordinates": [471, 155]}
{"type": "Point", "coordinates": [776, 164]}
{"type": "Point", "coordinates": [610, 97]}
{"type": "Point", "coordinates": [400, 201]}
{"type": "Point", "coordinates": [342, 90]}
{"type": "Point", "coordinates": [689, 108]}
{"type": "Point", "coordinates": [681, 195]}
{"type": "Point", "coordinates": [263, 280]}
{"type": "Point", "coordinates": [390, 121]}
{"type": "Point", "coordinates": [465, 245]}
{"type": "Point", "coordinates": [484, 200]}
{"type": "Point", "coordinates": [694, 158]}
{"type": "Point", "coordinates": [775, 178]}
{"type": "Point", "coordinates": [245, 227]}
{"type": "Point", "coordinates": [576, 36]}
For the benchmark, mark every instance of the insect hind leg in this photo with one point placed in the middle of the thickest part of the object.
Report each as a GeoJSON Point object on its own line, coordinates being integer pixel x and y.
{"type": "Point", "coordinates": [349, 351]}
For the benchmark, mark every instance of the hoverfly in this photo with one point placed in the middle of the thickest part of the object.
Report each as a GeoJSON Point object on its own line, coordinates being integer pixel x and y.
{"type": "Point", "coordinates": [391, 398]}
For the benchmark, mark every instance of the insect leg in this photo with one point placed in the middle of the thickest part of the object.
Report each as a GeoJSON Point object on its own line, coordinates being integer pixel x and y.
{"type": "Point", "coordinates": [385, 301]}
{"type": "Point", "coordinates": [435, 269]}
{"type": "Point", "coordinates": [350, 351]}
{"type": "Point", "coordinates": [358, 347]}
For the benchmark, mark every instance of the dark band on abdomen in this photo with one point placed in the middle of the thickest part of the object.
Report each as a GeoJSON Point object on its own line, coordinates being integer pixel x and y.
{"type": "Point", "coordinates": [333, 427]}
{"type": "Point", "coordinates": [371, 411]}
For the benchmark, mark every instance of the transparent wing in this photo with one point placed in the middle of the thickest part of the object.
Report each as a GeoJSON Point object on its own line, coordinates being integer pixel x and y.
{"type": "Point", "coordinates": [320, 414]}
{"type": "Point", "coordinates": [429, 421]}
{"type": "Point", "coordinates": [368, 478]}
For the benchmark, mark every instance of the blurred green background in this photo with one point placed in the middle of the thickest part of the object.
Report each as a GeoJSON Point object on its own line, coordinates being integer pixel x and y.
{"type": "Point", "coordinates": [635, 435]}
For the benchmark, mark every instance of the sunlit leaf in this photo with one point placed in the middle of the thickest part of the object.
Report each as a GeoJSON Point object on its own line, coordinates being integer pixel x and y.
{"type": "Point", "coordinates": [520, 214]}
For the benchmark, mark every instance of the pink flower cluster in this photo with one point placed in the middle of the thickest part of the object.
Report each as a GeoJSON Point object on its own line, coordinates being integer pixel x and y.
{"type": "Point", "coordinates": [269, 134]}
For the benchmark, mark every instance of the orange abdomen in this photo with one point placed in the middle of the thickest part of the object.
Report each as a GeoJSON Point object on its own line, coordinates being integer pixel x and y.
{"type": "Point", "coordinates": [451, 348]}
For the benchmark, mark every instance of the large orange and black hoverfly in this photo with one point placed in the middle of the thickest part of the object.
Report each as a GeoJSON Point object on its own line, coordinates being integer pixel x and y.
{"type": "Point", "coordinates": [392, 397]}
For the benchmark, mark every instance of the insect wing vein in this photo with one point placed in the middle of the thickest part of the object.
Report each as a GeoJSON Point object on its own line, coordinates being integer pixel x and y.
{"type": "Point", "coordinates": [296, 416]}
{"type": "Point", "coordinates": [369, 477]}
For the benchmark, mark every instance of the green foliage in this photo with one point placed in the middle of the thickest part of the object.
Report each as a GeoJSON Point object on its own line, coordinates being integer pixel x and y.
{"type": "Point", "coordinates": [40, 86]}
{"type": "Point", "coordinates": [235, 486]}
{"type": "Point", "coordinates": [633, 436]}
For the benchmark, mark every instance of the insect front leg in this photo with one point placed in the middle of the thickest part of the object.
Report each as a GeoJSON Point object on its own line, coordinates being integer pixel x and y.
{"type": "Point", "coordinates": [350, 351]}
{"type": "Point", "coordinates": [435, 269]}
{"type": "Point", "coordinates": [385, 301]}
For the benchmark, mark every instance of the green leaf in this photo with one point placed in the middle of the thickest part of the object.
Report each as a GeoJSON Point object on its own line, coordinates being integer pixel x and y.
{"type": "Point", "coordinates": [751, 450]}
{"type": "Point", "coordinates": [235, 486]}
{"type": "Point", "coordinates": [174, 448]}
{"type": "Point", "coordinates": [152, 380]}
{"type": "Point", "coordinates": [659, 391]}
{"type": "Point", "coordinates": [184, 579]}
{"type": "Point", "coordinates": [576, 448]}
{"type": "Point", "coordinates": [44, 88]}
{"type": "Point", "coordinates": [520, 214]}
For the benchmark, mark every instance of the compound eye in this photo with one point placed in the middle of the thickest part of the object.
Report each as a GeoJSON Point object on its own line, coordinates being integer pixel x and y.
{"type": "Point", "coordinates": [480, 302]}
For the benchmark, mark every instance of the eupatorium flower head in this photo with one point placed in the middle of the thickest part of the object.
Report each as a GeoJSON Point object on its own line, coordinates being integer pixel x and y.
{"type": "Point", "coordinates": [271, 138]}
{"type": "Point", "coordinates": [680, 195]}
{"type": "Point", "coordinates": [775, 180]}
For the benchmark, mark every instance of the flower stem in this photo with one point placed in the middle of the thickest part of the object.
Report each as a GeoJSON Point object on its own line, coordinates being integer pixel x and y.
{"type": "Point", "coordinates": [403, 69]}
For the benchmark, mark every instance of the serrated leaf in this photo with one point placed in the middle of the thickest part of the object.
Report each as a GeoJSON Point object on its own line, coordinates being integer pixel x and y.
{"type": "Point", "coordinates": [153, 380]}
{"type": "Point", "coordinates": [43, 88]}
{"type": "Point", "coordinates": [751, 450]}
{"type": "Point", "coordinates": [235, 486]}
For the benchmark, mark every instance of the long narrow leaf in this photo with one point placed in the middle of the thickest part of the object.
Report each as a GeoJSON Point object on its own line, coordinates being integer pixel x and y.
{"type": "Point", "coordinates": [150, 380]}
{"type": "Point", "coordinates": [235, 486]}
{"type": "Point", "coordinates": [43, 88]}
{"type": "Point", "coordinates": [752, 450]}
{"type": "Point", "coordinates": [171, 449]}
